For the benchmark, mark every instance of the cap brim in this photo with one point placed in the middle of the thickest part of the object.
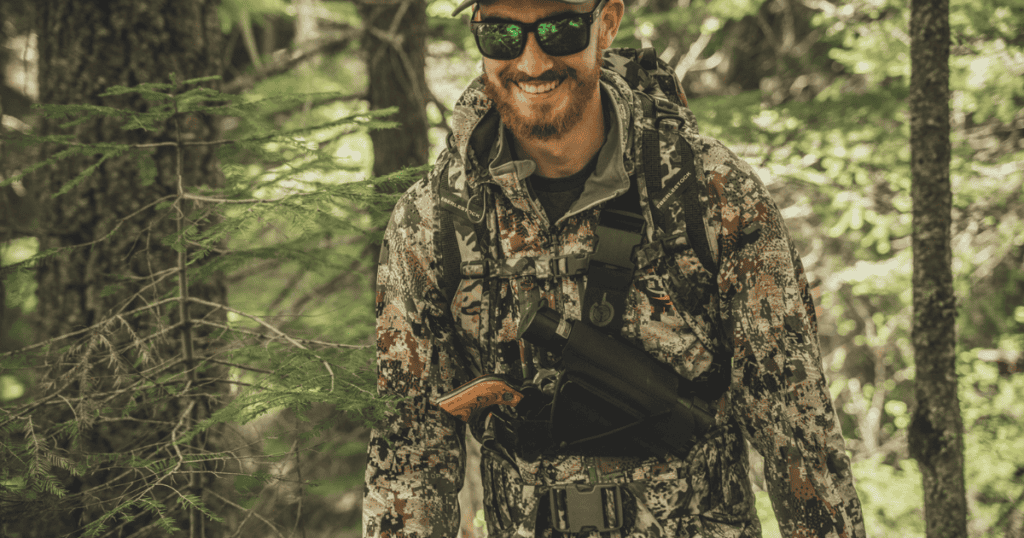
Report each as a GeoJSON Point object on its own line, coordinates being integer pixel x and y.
{"type": "Point", "coordinates": [468, 3]}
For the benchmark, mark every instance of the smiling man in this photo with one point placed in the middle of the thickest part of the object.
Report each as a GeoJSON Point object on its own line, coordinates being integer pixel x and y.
{"type": "Point", "coordinates": [609, 300]}
{"type": "Point", "coordinates": [550, 104]}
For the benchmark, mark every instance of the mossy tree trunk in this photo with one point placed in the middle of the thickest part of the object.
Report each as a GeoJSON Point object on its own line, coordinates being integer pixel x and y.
{"type": "Point", "coordinates": [86, 47]}
{"type": "Point", "coordinates": [936, 433]}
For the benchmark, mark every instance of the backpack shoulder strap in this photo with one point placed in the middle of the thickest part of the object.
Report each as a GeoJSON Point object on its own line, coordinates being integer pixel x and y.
{"type": "Point", "coordinates": [662, 192]}
{"type": "Point", "coordinates": [654, 82]}
{"type": "Point", "coordinates": [667, 195]}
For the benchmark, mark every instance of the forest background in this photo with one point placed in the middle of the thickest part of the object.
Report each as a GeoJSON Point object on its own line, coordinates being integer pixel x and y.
{"type": "Point", "coordinates": [186, 304]}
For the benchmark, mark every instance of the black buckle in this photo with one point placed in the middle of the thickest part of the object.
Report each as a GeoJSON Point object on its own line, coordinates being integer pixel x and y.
{"type": "Point", "coordinates": [570, 265]}
{"type": "Point", "coordinates": [584, 507]}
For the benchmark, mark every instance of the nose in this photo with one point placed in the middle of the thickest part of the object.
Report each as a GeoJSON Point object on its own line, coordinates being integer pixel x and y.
{"type": "Point", "coordinates": [533, 61]}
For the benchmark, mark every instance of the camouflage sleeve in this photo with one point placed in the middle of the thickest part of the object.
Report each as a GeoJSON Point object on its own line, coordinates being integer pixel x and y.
{"type": "Point", "coordinates": [416, 462]}
{"type": "Point", "coordinates": [779, 390]}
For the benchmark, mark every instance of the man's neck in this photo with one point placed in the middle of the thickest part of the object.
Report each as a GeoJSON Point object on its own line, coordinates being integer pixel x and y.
{"type": "Point", "coordinates": [569, 153]}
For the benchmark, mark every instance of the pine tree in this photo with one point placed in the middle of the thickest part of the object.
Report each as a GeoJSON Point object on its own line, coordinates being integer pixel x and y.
{"type": "Point", "coordinates": [143, 360]}
{"type": "Point", "coordinates": [112, 284]}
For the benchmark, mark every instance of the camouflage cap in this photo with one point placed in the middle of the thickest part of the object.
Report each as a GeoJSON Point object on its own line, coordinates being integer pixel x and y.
{"type": "Point", "coordinates": [468, 3]}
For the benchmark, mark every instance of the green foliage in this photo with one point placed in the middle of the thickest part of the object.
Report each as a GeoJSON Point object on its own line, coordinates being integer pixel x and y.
{"type": "Point", "coordinates": [993, 414]}
{"type": "Point", "coordinates": [292, 204]}
{"type": "Point", "coordinates": [292, 226]}
{"type": "Point", "coordinates": [891, 497]}
{"type": "Point", "coordinates": [839, 166]}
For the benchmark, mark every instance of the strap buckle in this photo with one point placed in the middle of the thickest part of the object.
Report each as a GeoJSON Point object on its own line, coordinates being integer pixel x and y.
{"type": "Point", "coordinates": [570, 265]}
{"type": "Point", "coordinates": [476, 268]}
{"type": "Point", "coordinates": [585, 507]}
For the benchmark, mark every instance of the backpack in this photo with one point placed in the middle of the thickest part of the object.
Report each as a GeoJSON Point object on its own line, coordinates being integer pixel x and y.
{"type": "Point", "coordinates": [653, 81]}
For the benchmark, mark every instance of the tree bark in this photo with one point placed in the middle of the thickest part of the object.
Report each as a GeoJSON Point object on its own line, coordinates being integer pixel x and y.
{"type": "Point", "coordinates": [936, 433]}
{"type": "Point", "coordinates": [395, 44]}
{"type": "Point", "coordinates": [395, 48]}
{"type": "Point", "coordinates": [17, 209]}
{"type": "Point", "coordinates": [86, 47]}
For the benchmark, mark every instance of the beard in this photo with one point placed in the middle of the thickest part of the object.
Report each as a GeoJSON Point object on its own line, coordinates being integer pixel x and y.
{"type": "Point", "coordinates": [542, 121]}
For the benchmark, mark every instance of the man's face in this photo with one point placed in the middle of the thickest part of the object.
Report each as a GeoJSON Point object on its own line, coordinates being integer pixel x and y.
{"type": "Point", "coordinates": [538, 96]}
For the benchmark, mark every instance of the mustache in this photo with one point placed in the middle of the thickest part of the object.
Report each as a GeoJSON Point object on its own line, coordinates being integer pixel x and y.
{"type": "Point", "coordinates": [553, 75]}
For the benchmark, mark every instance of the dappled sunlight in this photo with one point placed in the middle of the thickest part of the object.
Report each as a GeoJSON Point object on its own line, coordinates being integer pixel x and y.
{"type": "Point", "coordinates": [813, 94]}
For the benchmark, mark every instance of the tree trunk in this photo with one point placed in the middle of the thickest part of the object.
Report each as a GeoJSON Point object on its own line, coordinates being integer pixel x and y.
{"type": "Point", "coordinates": [17, 208]}
{"type": "Point", "coordinates": [936, 433]}
{"type": "Point", "coordinates": [86, 47]}
{"type": "Point", "coordinates": [395, 47]}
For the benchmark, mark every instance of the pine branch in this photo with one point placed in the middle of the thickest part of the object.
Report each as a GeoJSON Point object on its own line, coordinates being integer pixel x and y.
{"type": "Point", "coordinates": [7, 269]}
{"type": "Point", "coordinates": [265, 337]}
{"type": "Point", "coordinates": [251, 512]}
{"type": "Point", "coordinates": [88, 329]}
{"type": "Point", "coordinates": [289, 339]}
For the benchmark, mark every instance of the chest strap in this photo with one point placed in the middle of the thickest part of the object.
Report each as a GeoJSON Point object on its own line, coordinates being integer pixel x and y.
{"type": "Point", "coordinates": [610, 274]}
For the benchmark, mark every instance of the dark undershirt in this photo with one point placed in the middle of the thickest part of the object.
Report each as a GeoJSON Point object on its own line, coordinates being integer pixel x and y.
{"type": "Point", "coordinates": [557, 195]}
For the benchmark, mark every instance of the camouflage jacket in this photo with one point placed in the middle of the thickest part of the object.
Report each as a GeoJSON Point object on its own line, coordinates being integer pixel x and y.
{"type": "Point", "coordinates": [778, 399]}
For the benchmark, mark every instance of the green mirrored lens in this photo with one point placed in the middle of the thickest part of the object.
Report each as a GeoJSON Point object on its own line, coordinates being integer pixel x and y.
{"type": "Point", "coordinates": [500, 40]}
{"type": "Point", "coordinates": [567, 36]}
{"type": "Point", "coordinates": [559, 37]}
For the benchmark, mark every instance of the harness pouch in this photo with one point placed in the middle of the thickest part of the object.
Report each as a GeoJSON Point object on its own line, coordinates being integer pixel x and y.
{"type": "Point", "coordinates": [589, 421]}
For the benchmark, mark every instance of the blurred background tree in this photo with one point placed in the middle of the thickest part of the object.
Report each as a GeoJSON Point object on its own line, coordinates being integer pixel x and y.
{"type": "Point", "coordinates": [935, 437]}
{"type": "Point", "coordinates": [813, 93]}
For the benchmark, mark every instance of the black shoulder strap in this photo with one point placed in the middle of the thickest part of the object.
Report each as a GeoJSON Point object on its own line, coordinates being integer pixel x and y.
{"type": "Point", "coordinates": [693, 212]}
{"type": "Point", "coordinates": [716, 381]}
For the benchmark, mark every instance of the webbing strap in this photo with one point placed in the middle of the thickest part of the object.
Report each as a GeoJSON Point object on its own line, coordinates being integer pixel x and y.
{"type": "Point", "coordinates": [610, 274]}
{"type": "Point", "coordinates": [450, 254]}
{"type": "Point", "coordinates": [651, 152]}
{"type": "Point", "coordinates": [693, 215]}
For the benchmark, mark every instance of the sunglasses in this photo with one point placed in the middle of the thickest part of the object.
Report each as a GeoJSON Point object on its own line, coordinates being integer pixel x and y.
{"type": "Point", "coordinates": [561, 35]}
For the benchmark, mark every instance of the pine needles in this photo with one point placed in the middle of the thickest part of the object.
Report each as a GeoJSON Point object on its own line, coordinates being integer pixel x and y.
{"type": "Point", "coordinates": [165, 360]}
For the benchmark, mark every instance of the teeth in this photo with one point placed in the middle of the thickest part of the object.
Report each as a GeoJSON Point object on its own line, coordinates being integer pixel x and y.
{"type": "Point", "coordinates": [538, 88]}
